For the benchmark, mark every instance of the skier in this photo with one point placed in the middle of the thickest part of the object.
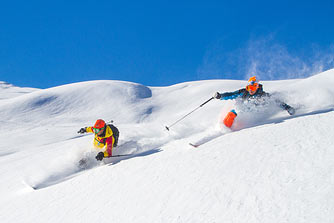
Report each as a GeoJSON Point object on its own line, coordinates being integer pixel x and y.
{"type": "Point", "coordinates": [252, 93]}
{"type": "Point", "coordinates": [106, 135]}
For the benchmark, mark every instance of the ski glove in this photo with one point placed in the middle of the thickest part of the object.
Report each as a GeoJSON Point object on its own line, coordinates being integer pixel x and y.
{"type": "Point", "coordinates": [99, 156]}
{"type": "Point", "coordinates": [290, 110]}
{"type": "Point", "coordinates": [217, 95]}
{"type": "Point", "coordinates": [82, 130]}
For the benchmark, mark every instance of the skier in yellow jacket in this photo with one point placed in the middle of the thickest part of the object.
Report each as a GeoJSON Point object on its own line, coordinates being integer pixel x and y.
{"type": "Point", "coordinates": [106, 136]}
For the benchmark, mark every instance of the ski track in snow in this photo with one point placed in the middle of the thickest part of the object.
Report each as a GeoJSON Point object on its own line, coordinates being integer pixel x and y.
{"type": "Point", "coordinates": [271, 167]}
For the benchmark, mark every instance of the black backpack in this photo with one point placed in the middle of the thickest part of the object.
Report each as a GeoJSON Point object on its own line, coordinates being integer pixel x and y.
{"type": "Point", "coordinates": [115, 133]}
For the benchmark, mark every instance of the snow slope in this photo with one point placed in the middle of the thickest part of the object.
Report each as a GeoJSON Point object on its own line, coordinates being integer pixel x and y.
{"type": "Point", "coordinates": [271, 168]}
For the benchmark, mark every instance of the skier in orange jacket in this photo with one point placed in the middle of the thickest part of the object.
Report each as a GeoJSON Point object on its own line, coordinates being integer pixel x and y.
{"type": "Point", "coordinates": [253, 93]}
{"type": "Point", "coordinates": [106, 135]}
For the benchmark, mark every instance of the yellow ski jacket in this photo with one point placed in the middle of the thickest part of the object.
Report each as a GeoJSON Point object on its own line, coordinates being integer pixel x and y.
{"type": "Point", "coordinates": [105, 140]}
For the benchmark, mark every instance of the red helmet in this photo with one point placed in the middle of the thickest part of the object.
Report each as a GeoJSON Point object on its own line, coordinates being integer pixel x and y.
{"type": "Point", "coordinates": [99, 124]}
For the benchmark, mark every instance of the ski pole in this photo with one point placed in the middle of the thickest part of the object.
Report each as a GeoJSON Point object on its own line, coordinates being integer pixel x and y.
{"type": "Point", "coordinates": [168, 127]}
{"type": "Point", "coordinates": [121, 155]}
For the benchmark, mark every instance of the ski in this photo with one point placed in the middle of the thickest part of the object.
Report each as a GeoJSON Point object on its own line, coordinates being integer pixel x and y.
{"type": "Point", "coordinates": [207, 138]}
{"type": "Point", "coordinates": [85, 163]}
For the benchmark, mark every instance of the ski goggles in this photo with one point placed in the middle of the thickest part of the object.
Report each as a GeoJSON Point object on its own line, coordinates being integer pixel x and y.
{"type": "Point", "coordinates": [97, 130]}
{"type": "Point", "coordinates": [252, 87]}
{"type": "Point", "coordinates": [252, 82]}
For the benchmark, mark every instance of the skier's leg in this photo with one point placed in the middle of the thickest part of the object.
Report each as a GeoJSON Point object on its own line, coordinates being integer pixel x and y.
{"type": "Point", "coordinates": [229, 118]}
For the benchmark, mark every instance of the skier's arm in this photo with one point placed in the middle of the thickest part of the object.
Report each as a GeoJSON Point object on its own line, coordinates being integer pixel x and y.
{"type": "Point", "coordinates": [89, 129]}
{"type": "Point", "coordinates": [283, 105]}
{"type": "Point", "coordinates": [228, 95]}
{"type": "Point", "coordinates": [286, 107]}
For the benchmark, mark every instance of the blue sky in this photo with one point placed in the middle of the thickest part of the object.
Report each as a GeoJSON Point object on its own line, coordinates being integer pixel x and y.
{"type": "Point", "coordinates": [159, 43]}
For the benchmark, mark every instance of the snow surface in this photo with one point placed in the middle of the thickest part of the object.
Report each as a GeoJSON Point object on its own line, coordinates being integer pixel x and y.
{"type": "Point", "coordinates": [271, 167]}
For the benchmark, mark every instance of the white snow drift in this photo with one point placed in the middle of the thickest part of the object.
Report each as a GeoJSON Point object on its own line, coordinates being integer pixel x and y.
{"type": "Point", "coordinates": [271, 167]}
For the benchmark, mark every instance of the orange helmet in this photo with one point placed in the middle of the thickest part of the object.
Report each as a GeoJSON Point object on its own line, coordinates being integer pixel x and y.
{"type": "Point", "coordinates": [253, 84]}
{"type": "Point", "coordinates": [99, 124]}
